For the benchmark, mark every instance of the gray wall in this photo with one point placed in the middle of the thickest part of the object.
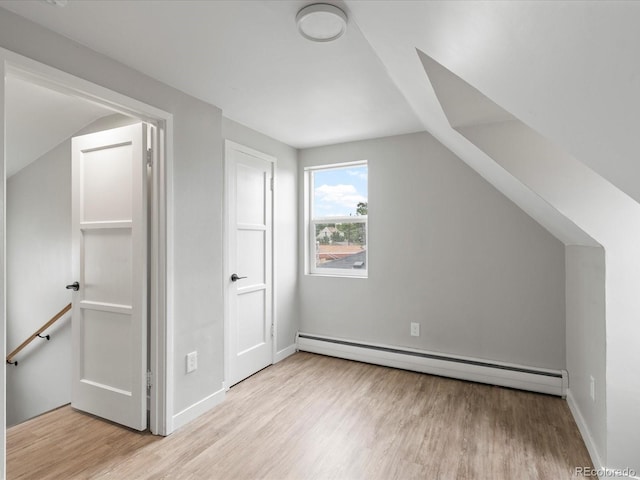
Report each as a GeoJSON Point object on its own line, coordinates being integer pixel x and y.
{"type": "Point", "coordinates": [196, 270]}
{"type": "Point", "coordinates": [39, 255]}
{"type": "Point", "coordinates": [286, 225]}
{"type": "Point", "coordinates": [585, 271]}
{"type": "Point", "coordinates": [445, 250]}
{"type": "Point", "coordinates": [38, 268]}
{"type": "Point", "coordinates": [198, 307]}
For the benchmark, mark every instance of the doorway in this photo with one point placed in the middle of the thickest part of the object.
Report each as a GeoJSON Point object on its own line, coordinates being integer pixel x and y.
{"type": "Point", "coordinates": [14, 66]}
{"type": "Point", "coordinates": [42, 125]}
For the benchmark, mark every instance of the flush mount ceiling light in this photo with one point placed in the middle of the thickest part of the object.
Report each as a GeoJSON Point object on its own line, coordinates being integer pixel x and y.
{"type": "Point", "coordinates": [321, 22]}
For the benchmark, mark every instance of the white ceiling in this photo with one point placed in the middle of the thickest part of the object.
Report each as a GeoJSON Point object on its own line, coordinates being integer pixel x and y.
{"type": "Point", "coordinates": [247, 58]}
{"type": "Point", "coordinates": [38, 119]}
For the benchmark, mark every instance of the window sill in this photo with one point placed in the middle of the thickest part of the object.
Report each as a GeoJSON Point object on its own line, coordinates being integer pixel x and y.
{"type": "Point", "coordinates": [362, 277]}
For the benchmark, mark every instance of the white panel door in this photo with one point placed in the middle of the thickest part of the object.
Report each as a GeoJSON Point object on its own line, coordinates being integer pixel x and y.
{"type": "Point", "coordinates": [249, 204]}
{"type": "Point", "coordinates": [109, 321]}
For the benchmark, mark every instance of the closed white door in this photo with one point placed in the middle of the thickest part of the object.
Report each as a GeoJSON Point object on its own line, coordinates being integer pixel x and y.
{"type": "Point", "coordinates": [249, 189]}
{"type": "Point", "coordinates": [109, 321]}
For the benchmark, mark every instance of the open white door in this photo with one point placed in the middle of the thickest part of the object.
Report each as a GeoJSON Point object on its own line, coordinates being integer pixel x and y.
{"type": "Point", "coordinates": [250, 261]}
{"type": "Point", "coordinates": [109, 321]}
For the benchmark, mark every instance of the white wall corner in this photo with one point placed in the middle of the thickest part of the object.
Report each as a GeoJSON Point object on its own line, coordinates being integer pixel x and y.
{"type": "Point", "coordinates": [285, 352]}
{"type": "Point", "coordinates": [199, 408]}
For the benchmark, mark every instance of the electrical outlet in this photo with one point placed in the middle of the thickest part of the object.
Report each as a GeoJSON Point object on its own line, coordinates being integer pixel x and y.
{"type": "Point", "coordinates": [592, 388]}
{"type": "Point", "coordinates": [415, 329]}
{"type": "Point", "coordinates": [192, 362]}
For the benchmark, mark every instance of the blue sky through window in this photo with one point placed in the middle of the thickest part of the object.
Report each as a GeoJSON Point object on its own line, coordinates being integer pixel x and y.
{"type": "Point", "coordinates": [337, 191]}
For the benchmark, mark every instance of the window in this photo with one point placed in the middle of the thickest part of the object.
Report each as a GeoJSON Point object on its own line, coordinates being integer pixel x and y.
{"type": "Point", "coordinates": [337, 204]}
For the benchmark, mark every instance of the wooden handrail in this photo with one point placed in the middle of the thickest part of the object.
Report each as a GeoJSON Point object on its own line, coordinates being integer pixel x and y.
{"type": "Point", "coordinates": [37, 333]}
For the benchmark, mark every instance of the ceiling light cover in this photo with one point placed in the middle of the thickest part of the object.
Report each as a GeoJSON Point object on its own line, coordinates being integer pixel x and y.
{"type": "Point", "coordinates": [321, 22]}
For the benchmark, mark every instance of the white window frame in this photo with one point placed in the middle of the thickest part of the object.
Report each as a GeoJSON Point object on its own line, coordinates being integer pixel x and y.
{"type": "Point", "coordinates": [311, 223]}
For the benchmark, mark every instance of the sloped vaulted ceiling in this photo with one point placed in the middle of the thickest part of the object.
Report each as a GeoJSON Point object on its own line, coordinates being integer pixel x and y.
{"type": "Point", "coordinates": [568, 69]}
{"type": "Point", "coordinates": [38, 119]}
{"type": "Point", "coordinates": [464, 106]}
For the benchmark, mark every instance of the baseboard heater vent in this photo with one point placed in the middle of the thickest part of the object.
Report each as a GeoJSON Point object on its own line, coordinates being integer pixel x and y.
{"type": "Point", "coordinates": [553, 382]}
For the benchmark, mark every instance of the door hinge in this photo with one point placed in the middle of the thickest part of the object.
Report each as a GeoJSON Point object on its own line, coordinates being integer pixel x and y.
{"type": "Point", "coordinates": [149, 157]}
{"type": "Point", "coordinates": [149, 377]}
{"type": "Point", "coordinates": [271, 184]}
{"type": "Point", "coordinates": [273, 328]}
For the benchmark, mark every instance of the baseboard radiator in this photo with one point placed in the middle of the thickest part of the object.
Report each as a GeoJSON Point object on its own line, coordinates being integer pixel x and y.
{"type": "Point", "coordinates": [553, 382]}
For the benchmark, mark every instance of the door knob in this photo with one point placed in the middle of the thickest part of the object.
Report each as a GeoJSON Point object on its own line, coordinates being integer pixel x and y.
{"type": "Point", "coordinates": [75, 286]}
{"type": "Point", "coordinates": [235, 277]}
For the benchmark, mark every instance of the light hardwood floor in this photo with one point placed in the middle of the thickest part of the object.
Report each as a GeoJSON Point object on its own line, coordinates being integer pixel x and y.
{"type": "Point", "coordinates": [315, 417]}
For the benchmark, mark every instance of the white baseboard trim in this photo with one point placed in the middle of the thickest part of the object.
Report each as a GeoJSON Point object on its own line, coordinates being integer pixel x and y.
{"type": "Point", "coordinates": [194, 411]}
{"type": "Point", "coordinates": [285, 352]}
{"type": "Point", "coordinates": [553, 382]}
